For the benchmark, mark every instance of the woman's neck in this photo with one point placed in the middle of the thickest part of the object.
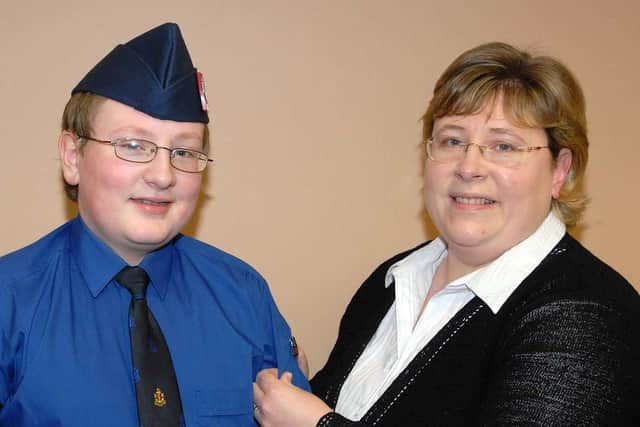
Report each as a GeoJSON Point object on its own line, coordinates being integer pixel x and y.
{"type": "Point", "coordinates": [449, 270]}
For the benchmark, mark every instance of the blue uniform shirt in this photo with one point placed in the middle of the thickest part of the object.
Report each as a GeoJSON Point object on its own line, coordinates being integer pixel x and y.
{"type": "Point", "coordinates": [65, 355]}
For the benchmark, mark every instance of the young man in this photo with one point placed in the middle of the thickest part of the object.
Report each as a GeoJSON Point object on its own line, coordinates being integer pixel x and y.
{"type": "Point", "coordinates": [115, 318]}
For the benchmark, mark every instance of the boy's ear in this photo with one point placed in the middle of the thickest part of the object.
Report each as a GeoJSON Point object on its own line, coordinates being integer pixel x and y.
{"type": "Point", "coordinates": [69, 150]}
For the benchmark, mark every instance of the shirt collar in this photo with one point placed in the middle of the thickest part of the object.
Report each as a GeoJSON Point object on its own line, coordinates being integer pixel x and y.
{"type": "Point", "coordinates": [495, 282]}
{"type": "Point", "coordinates": [158, 265]}
{"type": "Point", "coordinates": [99, 264]}
{"type": "Point", "coordinates": [418, 260]}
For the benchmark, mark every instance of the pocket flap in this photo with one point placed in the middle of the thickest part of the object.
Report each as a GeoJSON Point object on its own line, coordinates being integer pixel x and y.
{"type": "Point", "coordinates": [225, 401]}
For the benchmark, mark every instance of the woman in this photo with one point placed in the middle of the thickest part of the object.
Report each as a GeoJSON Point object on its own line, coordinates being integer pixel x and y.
{"type": "Point", "coordinates": [504, 319]}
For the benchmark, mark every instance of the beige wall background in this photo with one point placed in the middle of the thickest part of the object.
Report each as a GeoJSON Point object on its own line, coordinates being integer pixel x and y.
{"type": "Point", "coordinates": [315, 124]}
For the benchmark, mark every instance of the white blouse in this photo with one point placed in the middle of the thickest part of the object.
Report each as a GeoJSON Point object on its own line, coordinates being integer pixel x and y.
{"type": "Point", "coordinates": [403, 332]}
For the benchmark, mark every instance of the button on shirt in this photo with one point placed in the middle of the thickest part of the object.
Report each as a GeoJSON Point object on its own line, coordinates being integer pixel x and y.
{"type": "Point", "coordinates": [65, 355]}
{"type": "Point", "coordinates": [403, 332]}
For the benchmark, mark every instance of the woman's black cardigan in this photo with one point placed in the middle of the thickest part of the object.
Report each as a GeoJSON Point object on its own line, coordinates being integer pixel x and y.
{"type": "Point", "coordinates": [564, 350]}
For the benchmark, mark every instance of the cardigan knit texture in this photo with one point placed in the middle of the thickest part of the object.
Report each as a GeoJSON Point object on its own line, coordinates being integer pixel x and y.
{"type": "Point", "coordinates": [564, 350]}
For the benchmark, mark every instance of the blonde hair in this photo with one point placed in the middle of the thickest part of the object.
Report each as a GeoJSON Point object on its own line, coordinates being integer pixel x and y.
{"type": "Point", "coordinates": [537, 91]}
{"type": "Point", "coordinates": [77, 118]}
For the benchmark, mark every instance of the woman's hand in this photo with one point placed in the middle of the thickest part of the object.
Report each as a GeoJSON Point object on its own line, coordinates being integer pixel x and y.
{"type": "Point", "coordinates": [303, 362]}
{"type": "Point", "coordinates": [281, 404]}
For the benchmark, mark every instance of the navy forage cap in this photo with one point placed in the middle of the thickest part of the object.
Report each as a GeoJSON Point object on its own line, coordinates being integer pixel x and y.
{"type": "Point", "coordinates": [152, 73]}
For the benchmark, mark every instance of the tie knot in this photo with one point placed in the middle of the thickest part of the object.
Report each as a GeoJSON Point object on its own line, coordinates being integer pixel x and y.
{"type": "Point", "coordinates": [135, 280]}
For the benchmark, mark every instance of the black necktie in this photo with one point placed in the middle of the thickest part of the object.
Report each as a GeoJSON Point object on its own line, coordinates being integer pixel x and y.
{"type": "Point", "coordinates": [156, 385]}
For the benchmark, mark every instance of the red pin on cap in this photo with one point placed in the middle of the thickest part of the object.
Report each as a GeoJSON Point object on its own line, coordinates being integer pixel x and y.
{"type": "Point", "coordinates": [203, 94]}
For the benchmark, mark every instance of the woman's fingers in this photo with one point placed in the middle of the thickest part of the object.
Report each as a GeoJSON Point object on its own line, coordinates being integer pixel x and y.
{"type": "Point", "coordinates": [287, 377]}
{"type": "Point", "coordinates": [303, 362]}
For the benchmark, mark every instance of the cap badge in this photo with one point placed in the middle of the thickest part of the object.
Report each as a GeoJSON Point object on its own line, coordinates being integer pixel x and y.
{"type": "Point", "coordinates": [203, 94]}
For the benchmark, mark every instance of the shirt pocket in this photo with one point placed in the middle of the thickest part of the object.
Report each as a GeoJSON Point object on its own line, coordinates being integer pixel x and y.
{"type": "Point", "coordinates": [226, 407]}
